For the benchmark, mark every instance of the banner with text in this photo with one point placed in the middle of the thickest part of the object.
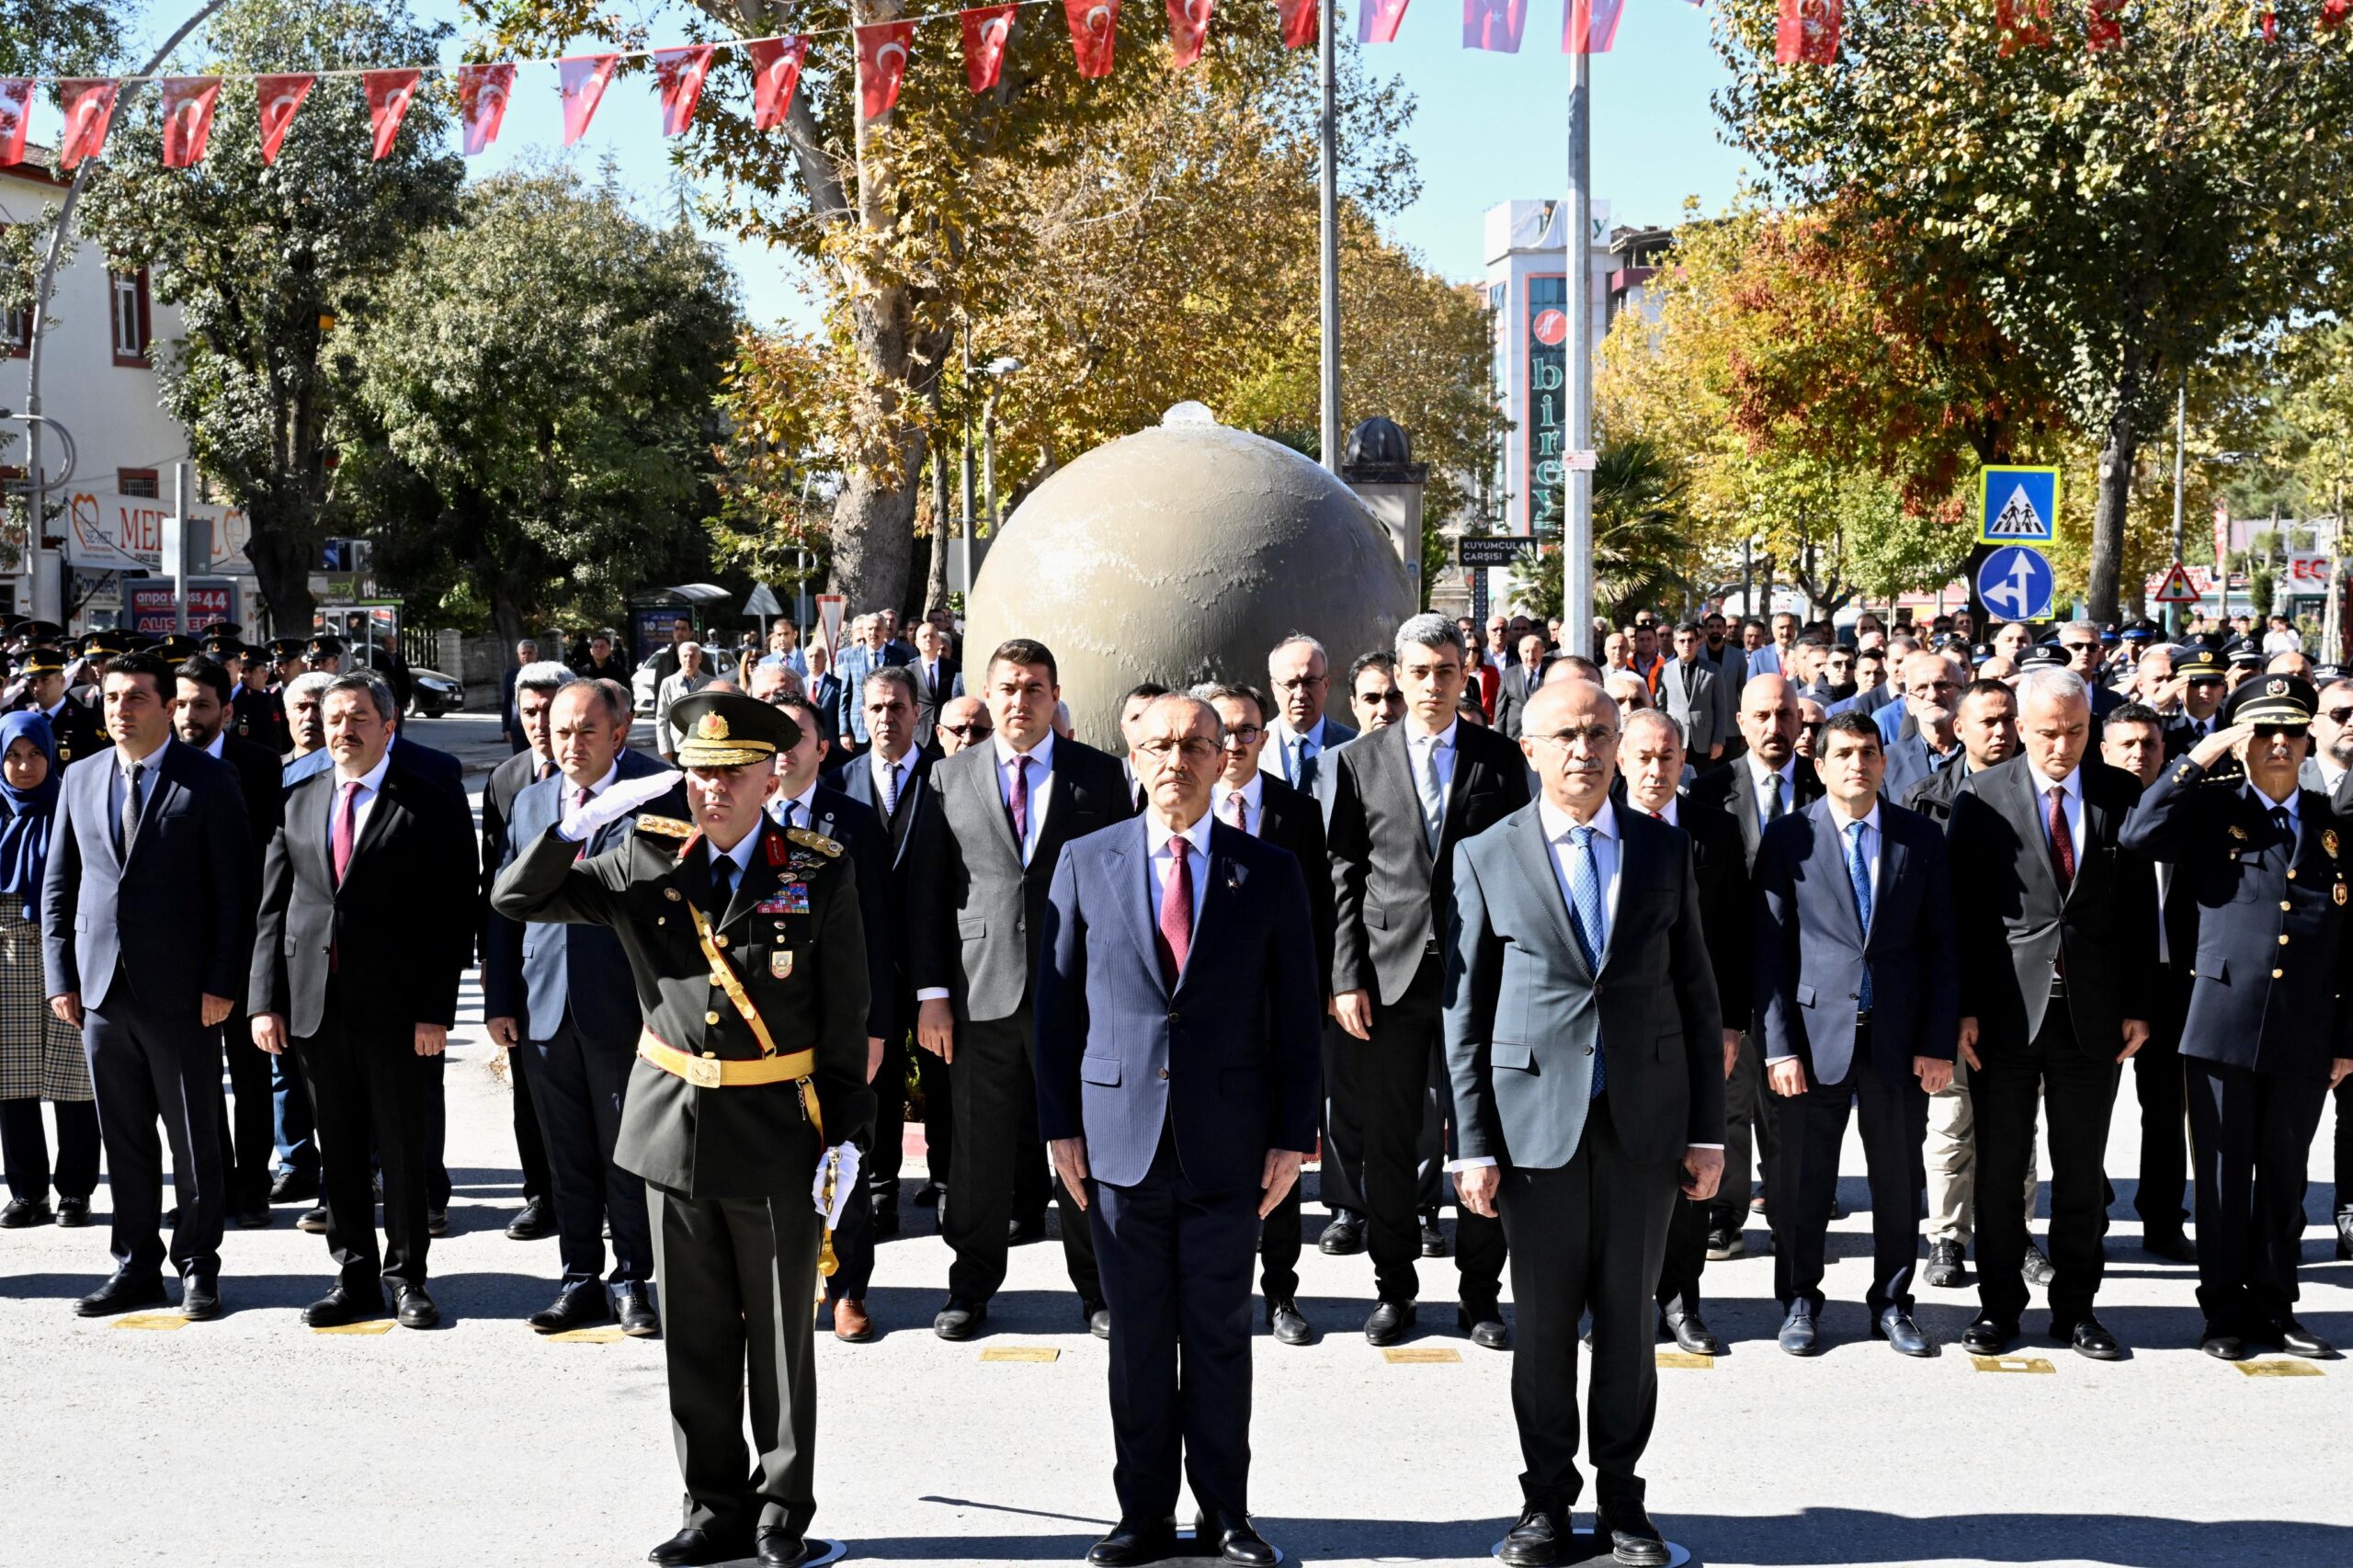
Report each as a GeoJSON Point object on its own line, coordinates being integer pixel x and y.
{"type": "Point", "coordinates": [125, 533]}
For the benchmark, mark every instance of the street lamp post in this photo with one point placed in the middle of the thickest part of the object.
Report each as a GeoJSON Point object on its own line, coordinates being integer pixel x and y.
{"type": "Point", "coordinates": [1328, 238]}
{"type": "Point", "coordinates": [1576, 521]}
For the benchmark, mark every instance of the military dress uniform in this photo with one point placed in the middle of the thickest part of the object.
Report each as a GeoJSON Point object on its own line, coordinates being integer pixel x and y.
{"type": "Point", "coordinates": [752, 1062]}
{"type": "Point", "coordinates": [2266, 1013]}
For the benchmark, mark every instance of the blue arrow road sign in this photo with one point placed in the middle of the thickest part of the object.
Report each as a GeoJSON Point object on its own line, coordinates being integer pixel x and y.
{"type": "Point", "coordinates": [2015, 583]}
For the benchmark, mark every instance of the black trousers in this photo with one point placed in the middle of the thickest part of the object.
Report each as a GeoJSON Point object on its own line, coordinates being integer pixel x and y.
{"type": "Point", "coordinates": [24, 1146]}
{"type": "Point", "coordinates": [736, 1276]}
{"type": "Point", "coordinates": [150, 1063]}
{"type": "Point", "coordinates": [884, 1160]}
{"type": "Point", "coordinates": [1278, 1249]}
{"type": "Point", "coordinates": [2076, 1088]}
{"type": "Point", "coordinates": [938, 1081]}
{"type": "Point", "coordinates": [1342, 1174]}
{"type": "Point", "coordinates": [1686, 1257]}
{"type": "Point", "coordinates": [2344, 1147]}
{"type": "Point", "coordinates": [248, 1119]}
{"type": "Point", "coordinates": [1587, 1237]}
{"type": "Point", "coordinates": [1752, 1137]}
{"type": "Point", "coordinates": [371, 1091]}
{"type": "Point", "coordinates": [2250, 1136]}
{"type": "Point", "coordinates": [2161, 1198]}
{"type": "Point", "coordinates": [1893, 1112]}
{"type": "Point", "coordinates": [1176, 1272]}
{"type": "Point", "coordinates": [997, 1126]}
{"type": "Point", "coordinates": [1393, 1079]}
{"type": "Point", "coordinates": [576, 1087]}
{"type": "Point", "coordinates": [531, 1143]}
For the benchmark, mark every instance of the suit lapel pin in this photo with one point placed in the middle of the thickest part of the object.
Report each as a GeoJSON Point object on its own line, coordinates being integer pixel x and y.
{"type": "Point", "coordinates": [2238, 833]}
{"type": "Point", "coordinates": [2328, 842]}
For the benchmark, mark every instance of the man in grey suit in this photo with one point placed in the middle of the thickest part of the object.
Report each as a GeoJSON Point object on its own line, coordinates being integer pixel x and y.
{"type": "Point", "coordinates": [1691, 694]}
{"type": "Point", "coordinates": [1520, 680]}
{"type": "Point", "coordinates": [1301, 672]}
{"type": "Point", "coordinates": [1584, 1045]}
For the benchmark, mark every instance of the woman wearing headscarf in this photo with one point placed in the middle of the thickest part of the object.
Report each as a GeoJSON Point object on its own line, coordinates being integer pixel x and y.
{"type": "Point", "coordinates": [41, 1054]}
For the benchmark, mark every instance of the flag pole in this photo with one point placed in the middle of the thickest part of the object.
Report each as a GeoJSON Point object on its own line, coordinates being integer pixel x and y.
{"type": "Point", "coordinates": [1576, 520]}
{"type": "Point", "coordinates": [1328, 238]}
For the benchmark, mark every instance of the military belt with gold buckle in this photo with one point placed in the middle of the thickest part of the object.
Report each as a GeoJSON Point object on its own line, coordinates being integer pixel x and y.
{"type": "Point", "coordinates": [714, 1072]}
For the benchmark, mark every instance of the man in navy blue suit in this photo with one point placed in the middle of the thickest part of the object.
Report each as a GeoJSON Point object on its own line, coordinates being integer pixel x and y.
{"type": "Point", "coordinates": [1178, 1044]}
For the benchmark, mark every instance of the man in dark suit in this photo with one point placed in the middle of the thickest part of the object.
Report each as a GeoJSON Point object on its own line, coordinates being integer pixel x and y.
{"type": "Point", "coordinates": [1401, 802]}
{"type": "Point", "coordinates": [364, 991]}
{"type": "Point", "coordinates": [871, 649]}
{"type": "Point", "coordinates": [2059, 942]}
{"type": "Point", "coordinates": [1299, 677]}
{"type": "Point", "coordinates": [1767, 782]}
{"type": "Point", "coordinates": [561, 995]}
{"type": "Point", "coordinates": [1584, 1047]}
{"type": "Point", "coordinates": [1248, 798]}
{"type": "Point", "coordinates": [824, 689]}
{"type": "Point", "coordinates": [1651, 750]}
{"type": "Point", "coordinates": [1857, 985]}
{"type": "Point", "coordinates": [1177, 1086]}
{"type": "Point", "coordinates": [146, 922]}
{"type": "Point", "coordinates": [1986, 722]}
{"type": "Point", "coordinates": [2266, 1035]}
{"type": "Point", "coordinates": [984, 862]}
{"type": "Point", "coordinates": [202, 717]}
{"type": "Point", "coordinates": [437, 767]}
{"type": "Point", "coordinates": [1519, 683]}
{"type": "Point", "coordinates": [937, 682]}
{"type": "Point", "coordinates": [1918, 735]}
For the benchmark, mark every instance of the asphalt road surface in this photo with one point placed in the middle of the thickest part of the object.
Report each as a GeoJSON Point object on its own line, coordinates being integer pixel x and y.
{"type": "Point", "coordinates": [251, 1442]}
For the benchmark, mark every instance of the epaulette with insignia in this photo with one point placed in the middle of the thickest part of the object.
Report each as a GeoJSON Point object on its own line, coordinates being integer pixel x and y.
{"type": "Point", "coordinates": [816, 841]}
{"type": "Point", "coordinates": [668, 827]}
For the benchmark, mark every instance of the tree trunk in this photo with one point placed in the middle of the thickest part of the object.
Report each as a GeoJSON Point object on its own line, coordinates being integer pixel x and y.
{"type": "Point", "coordinates": [2115, 464]}
{"type": "Point", "coordinates": [282, 554]}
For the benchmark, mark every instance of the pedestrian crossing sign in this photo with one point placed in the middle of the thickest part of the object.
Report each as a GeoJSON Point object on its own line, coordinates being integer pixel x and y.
{"type": "Point", "coordinates": [2017, 505]}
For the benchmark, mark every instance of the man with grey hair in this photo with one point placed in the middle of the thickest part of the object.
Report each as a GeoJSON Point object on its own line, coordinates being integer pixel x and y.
{"type": "Point", "coordinates": [692, 677]}
{"type": "Point", "coordinates": [1921, 739]}
{"type": "Point", "coordinates": [1299, 675]}
{"type": "Point", "coordinates": [1402, 799]}
{"type": "Point", "coordinates": [2079, 640]}
{"type": "Point", "coordinates": [304, 723]}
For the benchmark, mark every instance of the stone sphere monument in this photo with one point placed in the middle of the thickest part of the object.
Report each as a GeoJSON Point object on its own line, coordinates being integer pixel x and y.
{"type": "Point", "coordinates": [1180, 554]}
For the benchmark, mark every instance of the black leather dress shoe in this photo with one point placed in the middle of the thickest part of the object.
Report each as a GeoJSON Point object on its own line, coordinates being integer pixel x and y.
{"type": "Point", "coordinates": [1098, 1318]}
{"type": "Point", "coordinates": [536, 1223]}
{"type": "Point", "coordinates": [1289, 1324]}
{"type": "Point", "coordinates": [928, 1194]}
{"type": "Point", "coordinates": [2221, 1344]}
{"type": "Point", "coordinates": [777, 1547]}
{"type": "Point", "coordinates": [292, 1186]}
{"type": "Point", "coordinates": [1344, 1237]}
{"type": "Point", "coordinates": [1725, 1242]}
{"type": "Point", "coordinates": [23, 1212]}
{"type": "Point", "coordinates": [2090, 1338]}
{"type": "Point", "coordinates": [1538, 1540]}
{"type": "Point", "coordinates": [960, 1318]}
{"type": "Point", "coordinates": [254, 1219]}
{"type": "Point", "coordinates": [1390, 1321]}
{"type": "Point", "coordinates": [1020, 1232]}
{"type": "Point", "coordinates": [340, 1306]}
{"type": "Point", "coordinates": [2297, 1340]}
{"type": "Point", "coordinates": [123, 1293]}
{"type": "Point", "coordinates": [1691, 1334]}
{"type": "Point", "coordinates": [201, 1298]}
{"type": "Point", "coordinates": [415, 1308]}
{"type": "Point", "coordinates": [1633, 1540]}
{"type": "Point", "coordinates": [1987, 1337]}
{"type": "Point", "coordinates": [73, 1212]}
{"type": "Point", "coordinates": [886, 1220]}
{"type": "Point", "coordinates": [2036, 1270]}
{"type": "Point", "coordinates": [2173, 1246]}
{"type": "Point", "coordinates": [436, 1223]}
{"type": "Point", "coordinates": [1945, 1271]}
{"type": "Point", "coordinates": [1903, 1336]}
{"type": "Point", "coordinates": [1433, 1239]}
{"type": "Point", "coordinates": [1238, 1541]}
{"type": "Point", "coordinates": [692, 1546]}
{"type": "Point", "coordinates": [634, 1304]}
{"type": "Point", "coordinates": [1133, 1542]}
{"type": "Point", "coordinates": [314, 1222]}
{"type": "Point", "coordinates": [577, 1305]}
{"type": "Point", "coordinates": [1799, 1336]}
{"type": "Point", "coordinates": [1483, 1322]}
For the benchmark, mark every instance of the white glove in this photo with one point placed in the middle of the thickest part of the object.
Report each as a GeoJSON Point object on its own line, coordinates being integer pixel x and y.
{"type": "Point", "coordinates": [844, 1174]}
{"type": "Point", "coordinates": [582, 822]}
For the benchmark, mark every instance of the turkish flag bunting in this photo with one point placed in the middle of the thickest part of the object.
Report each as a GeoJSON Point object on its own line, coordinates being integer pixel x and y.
{"type": "Point", "coordinates": [2104, 24]}
{"type": "Point", "coordinates": [16, 116]}
{"type": "Point", "coordinates": [1094, 25]}
{"type": "Point", "coordinates": [882, 64]}
{"type": "Point", "coordinates": [1377, 20]}
{"type": "Point", "coordinates": [88, 103]}
{"type": "Point", "coordinates": [2022, 24]}
{"type": "Point", "coordinates": [1808, 32]}
{"type": "Point", "coordinates": [389, 93]}
{"type": "Point", "coordinates": [680, 73]}
{"type": "Point", "coordinates": [187, 117]}
{"type": "Point", "coordinates": [1188, 28]}
{"type": "Point", "coordinates": [1591, 26]}
{"type": "Point", "coordinates": [1299, 22]}
{"type": "Point", "coordinates": [775, 70]}
{"type": "Point", "coordinates": [2334, 12]}
{"type": "Point", "coordinates": [581, 80]}
{"type": "Point", "coordinates": [482, 102]}
{"type": "Point", "coordinates": [2270, 26]}
{"type": "Point", "coordinates": [279, 97]}
{"type": "Point", "coordinates": [1494, 24]}
{"type": "Point", "coordinates": [987, 30]}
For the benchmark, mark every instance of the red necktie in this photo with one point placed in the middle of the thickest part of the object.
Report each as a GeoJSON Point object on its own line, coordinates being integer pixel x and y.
{"type": "Point", "coordinates": [580, 802]}
{"type": "Point", "coordinates": [339, 840]}
{"type": "Point", "coordinates": [1233, 811]}
{"type": "Point", "coordinates": [1176, 914]}
{"type": "Point", "coordinates": [2063, 843]}
{"type": "Point", "coordinates": [1020, 803]}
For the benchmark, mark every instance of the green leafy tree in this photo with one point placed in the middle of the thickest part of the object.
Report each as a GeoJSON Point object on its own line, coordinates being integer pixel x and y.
{"type": "Point", "coordinates": [1641, 537]}
{"type": "Point", "coordinates": [275, 267]}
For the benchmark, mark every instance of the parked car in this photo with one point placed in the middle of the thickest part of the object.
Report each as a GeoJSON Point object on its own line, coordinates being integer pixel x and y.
{"type": "Point", "coordinates": [642, 686]}
{"type": "Point", "coordinates": [432, 694]}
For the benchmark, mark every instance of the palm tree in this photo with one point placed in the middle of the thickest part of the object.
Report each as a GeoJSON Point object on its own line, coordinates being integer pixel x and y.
{"type": "Point", "coordinates": [1640, 536]}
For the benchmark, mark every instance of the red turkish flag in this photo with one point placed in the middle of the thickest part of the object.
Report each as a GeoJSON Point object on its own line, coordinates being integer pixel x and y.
{"type": "Point", "coordinates": [187, 117]}
{"type": "Point", "coordinates": [2334, 13]}
{"type": "Point", "coordinates": [680, 73]}
{"type": "Point", "coordinates": [279, 97]}
{"type": "Point", "coordinates": [2104, 24]}
{"type": "Point", "coordinates": [1378, 20]}
{"type": "Point", "coordinates": [1093, 28]}
{"type": "Point", "coordinates": [882, 64]}
{"type": "Point", "coordinates": [2020, 28]}
{"type": "Point", "coordinates": [775, 70]}
{"type": "Point", "coordinates": [581, 80]}
{"type": "Point", "coordinates": [1808, 32]}
{"type": "Point", "coordinates": [1188, 28]}
{"type": "Point", "coordinates": [987, 30]}
{"type": "Point", "coordinates": [1591, 26]}
{"type": "Point", "coordinates": [482, 102]}
{"type": "Point", "coordinates": [2270, 26]}
{"type": "Point", "coordinates": [1299, 22]}
{"type": "Point", "coordinates": [1494, 24]}
{"type": "Point", "coordinates": [389, 93]}
{"type": "Point", "coordinates": [88, 103]}
{"type": "Point", "coordinates": [16, 116]}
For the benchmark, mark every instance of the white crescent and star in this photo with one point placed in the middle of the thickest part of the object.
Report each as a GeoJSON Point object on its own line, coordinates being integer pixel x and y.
{"type": "Point", "coordinates": [882, 56]}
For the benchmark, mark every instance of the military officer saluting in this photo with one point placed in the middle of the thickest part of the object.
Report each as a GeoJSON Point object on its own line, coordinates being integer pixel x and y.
{"type": "Point", "coordinates": [2268, 1030]}
{"type": "Point", "coordinates": [750, 963]}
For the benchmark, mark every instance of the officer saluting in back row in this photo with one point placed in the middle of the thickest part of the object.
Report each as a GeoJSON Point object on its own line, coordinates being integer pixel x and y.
{"type": "Point", "coordinates": [750, 963]}
{"type": "Point", "coordinates": [2268, 1030]}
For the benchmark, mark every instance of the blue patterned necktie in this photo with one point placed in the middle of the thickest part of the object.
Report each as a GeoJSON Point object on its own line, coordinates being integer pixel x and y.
{"type": "Point", "coordinates": [1860, 875]}
{"type": "Point", "coordinates": [1585, 919]}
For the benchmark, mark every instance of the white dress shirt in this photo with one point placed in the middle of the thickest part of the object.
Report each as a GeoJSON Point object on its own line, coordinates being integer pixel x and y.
{"type": "Point", "coordinates": [372, 783]}
{"type": "Point", "coordinates": [1840, 822]}
{"type": "Point", "coordinates": [887, 789]}
{"type": "Point", "coordinates": [796, 811]}
{"type": "Point", "coordinates": [1041, 781]}
{"type": "Point", "coordinates": [1157, 834]}
{"type": "Point", "coordinates": [1254, 815]}
{"type": "Point", "coordinates": [2072, 803]}
{"type": "Point", "coordinates": [1436, 754]}
{"type": "Point", "coordinates": [1787, 783]}
{"type": "Point", "coordinates": [1288, 742]}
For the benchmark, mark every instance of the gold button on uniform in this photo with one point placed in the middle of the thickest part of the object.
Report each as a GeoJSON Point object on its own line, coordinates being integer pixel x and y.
{"type": "Point", "coordinates": [2279, 974]}
{"type": "Point", "coordinates": [2283, 939]}
{"type": "Point", "coordinates": [710, 1018]}
{"type": "Point", "coordinates": [2285, 906]}
{"type": "Point", "coordinates": [719, 941]}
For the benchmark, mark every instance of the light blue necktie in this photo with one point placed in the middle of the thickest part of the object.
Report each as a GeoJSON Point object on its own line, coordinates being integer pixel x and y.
{"type": "Point", "coordinates": [1860, 875]}
{"type": "Point", "coordinates": [1585, 918]}
{"type": "Point", "coordinates": [1426, 785]}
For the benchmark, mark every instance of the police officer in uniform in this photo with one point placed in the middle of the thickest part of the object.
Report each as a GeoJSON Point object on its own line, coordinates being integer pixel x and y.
{"type": "Point", "coordinates": [2267, 1034]}
{"type": "Point", "coordinates": [77, 729]}
{"type": "Point", "coordinates": [745, 942]}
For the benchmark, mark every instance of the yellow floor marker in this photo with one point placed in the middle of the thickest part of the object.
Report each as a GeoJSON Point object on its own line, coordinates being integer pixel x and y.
{"type": "Point", "coordinates": [1022, 1353]}
{"type": "Point", "coordinates": [151, 1320]}
{"type": "Point", "coordinates": [2012, 1364]}
{"type": "Point", "coordinates": [1421, 1355]}
{"type": "Point", "coordinates": [374, 1325]}
{"type": "Point", "coordinates": [1685, 1359]}
{"type": "Point", "coordinates": [2278, 1368]}
{"type": "Point", "coordinates": [605, 1334]}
